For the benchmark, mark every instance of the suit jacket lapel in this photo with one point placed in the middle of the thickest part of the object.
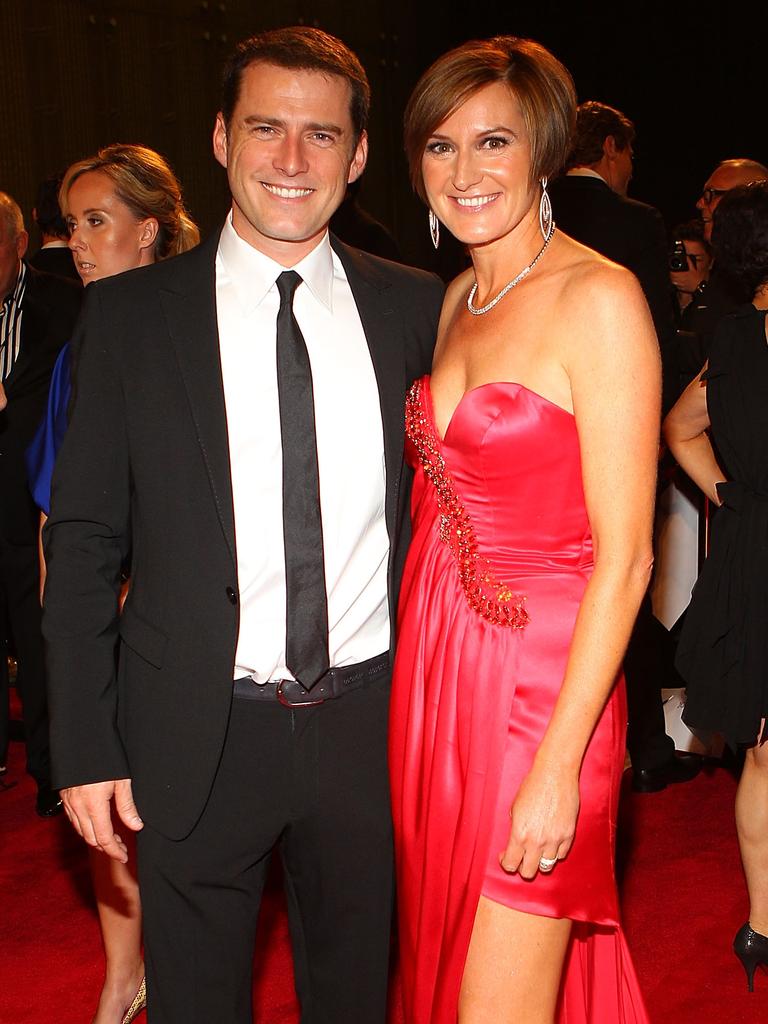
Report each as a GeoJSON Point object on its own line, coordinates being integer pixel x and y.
{"type": "Point", "coordinates": [190, 312]}
{"type": "Point", "coordinates": [383, 330]}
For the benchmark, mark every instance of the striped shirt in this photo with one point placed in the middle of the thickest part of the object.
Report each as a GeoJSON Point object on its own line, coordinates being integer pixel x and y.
{"type": "Point", "coordinates": [11, 313]}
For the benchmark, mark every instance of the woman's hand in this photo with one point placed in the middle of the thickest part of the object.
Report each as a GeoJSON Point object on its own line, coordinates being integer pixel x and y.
{"type": "Point", "coordinates": [543, 821]}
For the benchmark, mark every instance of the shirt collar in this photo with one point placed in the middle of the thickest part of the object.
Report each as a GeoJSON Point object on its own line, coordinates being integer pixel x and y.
{"type": "Point", "coordinates": [584, 172]}
{"type": "Point", "coordinates": [253, 273]}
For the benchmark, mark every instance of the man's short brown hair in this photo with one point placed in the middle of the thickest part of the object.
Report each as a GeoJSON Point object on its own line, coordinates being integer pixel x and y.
{"type": "Point", "coordinates": [594, 123]}
{"type": "Point", "coordinates": [304, 49]}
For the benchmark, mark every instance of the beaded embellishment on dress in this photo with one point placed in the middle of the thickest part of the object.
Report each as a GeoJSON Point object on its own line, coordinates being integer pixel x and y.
{"type": "Point", "coordinates": [485, 593]}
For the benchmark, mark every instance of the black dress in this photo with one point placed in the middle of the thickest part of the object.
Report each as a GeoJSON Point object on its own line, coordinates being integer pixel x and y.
{"type": "Point", "coordinates": [723, 651]}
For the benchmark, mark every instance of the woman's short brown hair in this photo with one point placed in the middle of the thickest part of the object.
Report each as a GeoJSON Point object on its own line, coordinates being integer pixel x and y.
{"type": "Point", "coordinates": [542, 85]}
{"type": "Point", "coordinates": [148, 187]}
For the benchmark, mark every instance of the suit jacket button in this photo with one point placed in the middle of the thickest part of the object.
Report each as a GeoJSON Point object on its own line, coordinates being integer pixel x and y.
{"type": "Point", "coordinates": [231, 595]}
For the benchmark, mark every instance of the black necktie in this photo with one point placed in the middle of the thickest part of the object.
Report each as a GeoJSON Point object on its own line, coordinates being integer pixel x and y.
{"type": "Point", "coordinates": [306, 601]}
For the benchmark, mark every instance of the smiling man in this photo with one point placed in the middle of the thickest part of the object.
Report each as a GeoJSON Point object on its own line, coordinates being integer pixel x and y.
{"type": "Point", "coordinates": [238, 427]}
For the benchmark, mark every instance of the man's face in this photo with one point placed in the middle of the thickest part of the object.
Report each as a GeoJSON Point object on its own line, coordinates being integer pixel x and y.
{"type": "Point", "coordinates": [289, 153]}
{"type": "Point", "coordinates": [622, 170]}
{"type": "Point", "coordinates": [720, 181]}
{"type": "Point", "coordinates": [616, 165]}
{"type": "Point", "coordinates": [12, 249]}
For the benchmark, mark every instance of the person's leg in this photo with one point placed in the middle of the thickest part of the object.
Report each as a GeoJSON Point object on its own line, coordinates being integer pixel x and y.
{"type": "Point", "coordinates": [5, 696]}
{"type": "Point", "coordinates": [22, 571]}
{"type": "Point", "coordinates": [338, 861]}
{"type": "Point", "coordinates": [647, 666]}
{"type": "Point", "coordinates": [752, 828]}
{"type": "Point", "coordinates": [513, 966]}
{"type": "Point", "coordinates": [200, 895]}
{"type": "Point", "coordinates": [117, 900]}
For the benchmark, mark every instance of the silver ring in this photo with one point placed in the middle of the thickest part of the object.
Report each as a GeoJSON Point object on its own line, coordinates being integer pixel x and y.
{"type": "Point", "coordinates": [547, 863]}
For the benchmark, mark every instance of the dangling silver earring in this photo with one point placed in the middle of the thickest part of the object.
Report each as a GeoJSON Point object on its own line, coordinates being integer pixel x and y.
{"type": "Point", "coordinates": [546, 223]}
{"type": "Point", "coordinates": [434, 229]}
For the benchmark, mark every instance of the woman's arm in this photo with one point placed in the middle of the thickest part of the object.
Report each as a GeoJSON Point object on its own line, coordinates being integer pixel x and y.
{"type": "Point", "coordinates": [685, 431]}
{"type": "Point", "coordinates": [611, 357]}
{"type": "Point", "coordinates": [41, 553]}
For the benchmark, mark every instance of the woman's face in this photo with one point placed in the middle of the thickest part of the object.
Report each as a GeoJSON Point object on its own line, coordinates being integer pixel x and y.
{"type": "Point", "coordinates": [104, 235]}
{"type": "Point", "coordinates": [476, 168]}
{"type": "Point", "coordinates": [698, 267]}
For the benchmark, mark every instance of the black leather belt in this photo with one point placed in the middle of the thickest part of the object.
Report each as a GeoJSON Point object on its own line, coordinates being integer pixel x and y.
{"type": "Point", "coordinates": [335, 683]}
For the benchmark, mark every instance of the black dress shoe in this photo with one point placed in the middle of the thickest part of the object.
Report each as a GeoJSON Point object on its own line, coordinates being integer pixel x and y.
{"type": "Point", "coordinates": [680, 768]}
{"type": "Point", "coordinates": [48, 803]}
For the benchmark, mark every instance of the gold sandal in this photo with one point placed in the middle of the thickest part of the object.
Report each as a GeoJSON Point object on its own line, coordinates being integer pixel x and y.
{"type": "Point", "coordinates": [138, 1004]}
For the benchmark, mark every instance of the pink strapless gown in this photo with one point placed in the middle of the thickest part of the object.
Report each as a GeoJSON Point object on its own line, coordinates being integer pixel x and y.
{"type": "Point", "coordinates": [500, 557]}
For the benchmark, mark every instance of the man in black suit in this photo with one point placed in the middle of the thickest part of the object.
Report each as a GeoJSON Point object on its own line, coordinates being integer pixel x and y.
{"type": "Point", "coordinates": [37, 317]}
{"type": "Point", "coordinates": [249, 708]}
{"type": "Point", "coordinates": [54, 255]}
{"type": "Point", "coordinates": [590, 203]}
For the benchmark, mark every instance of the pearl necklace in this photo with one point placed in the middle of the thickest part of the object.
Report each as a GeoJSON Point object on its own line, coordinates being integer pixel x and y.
{"type": "Point", "coordinates": [479, 310]}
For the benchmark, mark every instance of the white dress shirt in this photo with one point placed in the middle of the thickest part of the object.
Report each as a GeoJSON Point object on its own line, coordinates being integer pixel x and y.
{"type": "Point", "coordinates": [585, 172]}
{"type": "Point", "coordinates": [350, 454]}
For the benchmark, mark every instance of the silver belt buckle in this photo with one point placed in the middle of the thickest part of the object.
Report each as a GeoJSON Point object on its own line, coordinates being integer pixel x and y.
{"type": "Point", "coordinates": [294, 704]}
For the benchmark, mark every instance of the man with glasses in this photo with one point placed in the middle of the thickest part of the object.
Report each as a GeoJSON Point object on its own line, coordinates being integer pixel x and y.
{"type": "Point", "coordinates": [727, 175]}
{"type": "Point", "coordinates": [720, 296]}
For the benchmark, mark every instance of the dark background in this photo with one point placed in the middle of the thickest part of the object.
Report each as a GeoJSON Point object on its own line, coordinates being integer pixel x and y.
{"type": "Point", "coordinates": [77, 74]}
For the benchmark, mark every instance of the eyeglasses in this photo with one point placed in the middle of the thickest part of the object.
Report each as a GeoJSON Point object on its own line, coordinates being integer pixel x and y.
{"type": "Point", "coordinates": [709, 194]}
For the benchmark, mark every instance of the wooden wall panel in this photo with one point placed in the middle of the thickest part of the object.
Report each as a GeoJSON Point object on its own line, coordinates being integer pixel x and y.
{"type": "Point", "coordinates": [80, 74]}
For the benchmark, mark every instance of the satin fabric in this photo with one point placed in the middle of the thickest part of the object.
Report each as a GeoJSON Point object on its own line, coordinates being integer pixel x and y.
{"type": "Point", "coordinates": [44, 447]}
{"type": "Point", "coordinates": [471, 701]}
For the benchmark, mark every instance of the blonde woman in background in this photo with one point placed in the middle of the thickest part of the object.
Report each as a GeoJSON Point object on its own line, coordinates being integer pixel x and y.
{"type": "Point", "coordinates": [124, 209]}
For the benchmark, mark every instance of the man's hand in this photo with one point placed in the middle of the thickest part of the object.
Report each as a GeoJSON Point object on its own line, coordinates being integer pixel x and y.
{"type": "Point", "coordinates": [88, 809]}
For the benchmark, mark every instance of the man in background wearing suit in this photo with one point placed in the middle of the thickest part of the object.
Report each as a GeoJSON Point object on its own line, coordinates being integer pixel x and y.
{"type": "Point", "coordinates": [54, 255]}
{"type": "Point", "coordinates": [590, 203]}
{"type": "Point", "coordinates": [37, 316]}
{"type": "Point", "coordinates": [238, 428]}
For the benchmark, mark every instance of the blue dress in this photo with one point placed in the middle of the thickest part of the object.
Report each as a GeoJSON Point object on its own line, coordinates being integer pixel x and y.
{"type": "Point", "coordinates": [42, 451]}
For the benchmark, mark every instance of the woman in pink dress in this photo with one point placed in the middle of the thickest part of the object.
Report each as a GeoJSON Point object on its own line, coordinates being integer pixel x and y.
{"type": "Point", "coordinates": [534, 445]}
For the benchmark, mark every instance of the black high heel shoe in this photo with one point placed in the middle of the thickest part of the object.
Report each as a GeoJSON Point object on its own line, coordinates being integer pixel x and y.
{"type": "Point", "coordinates": [752, 949]}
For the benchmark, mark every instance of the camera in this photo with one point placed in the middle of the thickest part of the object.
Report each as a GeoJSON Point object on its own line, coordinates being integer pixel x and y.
{"type": "Point", "coordinates": [678, 258]}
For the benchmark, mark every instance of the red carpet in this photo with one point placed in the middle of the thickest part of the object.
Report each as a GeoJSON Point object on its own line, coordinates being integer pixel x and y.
{"type": "Point", "coordinates": [683, 899]}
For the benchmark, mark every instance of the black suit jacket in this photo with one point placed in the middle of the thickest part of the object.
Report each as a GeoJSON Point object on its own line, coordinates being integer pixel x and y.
{"type": "Point", "coordinates": [144, 471]}
{"type": "Point", "coordinates": [629, 233]}
{"type": "Point", "coordinates": [56, 259]}
{"type": "Point", "coordinates": [50, 309]}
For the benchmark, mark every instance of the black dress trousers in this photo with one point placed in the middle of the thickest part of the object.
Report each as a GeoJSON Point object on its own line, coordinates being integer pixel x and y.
{"type": "Point", "coordinates": [312, 782]}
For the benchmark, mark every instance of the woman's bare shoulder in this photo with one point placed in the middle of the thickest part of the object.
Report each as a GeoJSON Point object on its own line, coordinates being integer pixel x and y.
{"type": "Point", "coordinates": [588, 277]}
